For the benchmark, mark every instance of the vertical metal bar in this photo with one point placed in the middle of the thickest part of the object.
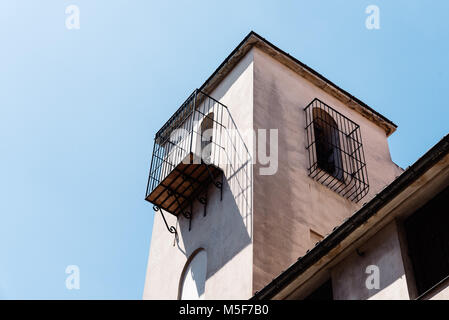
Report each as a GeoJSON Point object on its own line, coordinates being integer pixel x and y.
{"type": "Point", "coordinates": [193, 116]}
{"type": "Point", "coordinates": [149, 174]}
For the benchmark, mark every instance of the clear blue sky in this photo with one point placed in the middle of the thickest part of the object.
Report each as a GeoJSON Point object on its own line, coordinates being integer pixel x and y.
{"type": "Point", "coordinates": [79, 108]}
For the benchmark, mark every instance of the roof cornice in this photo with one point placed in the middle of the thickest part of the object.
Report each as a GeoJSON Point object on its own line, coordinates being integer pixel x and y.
{"type": "Point", "coordinates": [255, 40]}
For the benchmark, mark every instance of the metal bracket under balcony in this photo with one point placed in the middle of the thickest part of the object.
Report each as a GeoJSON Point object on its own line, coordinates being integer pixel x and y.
{"type": "Point", "coordinates": [184, 184]}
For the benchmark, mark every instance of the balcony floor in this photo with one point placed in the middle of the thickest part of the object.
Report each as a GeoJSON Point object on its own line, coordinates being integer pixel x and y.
{"type": "Point", "coordinates": [182, 185]}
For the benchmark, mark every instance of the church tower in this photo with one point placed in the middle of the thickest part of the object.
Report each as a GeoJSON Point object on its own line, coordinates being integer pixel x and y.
{"type": "Point", "coordinates": [255, 168]}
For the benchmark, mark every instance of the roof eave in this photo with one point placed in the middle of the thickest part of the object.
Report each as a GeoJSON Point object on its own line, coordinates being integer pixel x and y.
{"type": "Point", "coordinates": [253, 39]}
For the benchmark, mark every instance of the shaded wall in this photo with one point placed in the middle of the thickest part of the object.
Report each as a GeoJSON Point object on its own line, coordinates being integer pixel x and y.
{"type": "Point", "coordinates": [291, 211]}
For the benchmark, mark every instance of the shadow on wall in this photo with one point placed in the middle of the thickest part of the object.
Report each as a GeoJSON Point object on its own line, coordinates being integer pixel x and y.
{"type": "Point", "coordinates": [227, 227]}
{"type": "Point", "coordinates": [193, 279]}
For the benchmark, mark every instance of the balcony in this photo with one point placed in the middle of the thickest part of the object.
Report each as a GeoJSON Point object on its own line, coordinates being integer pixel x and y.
{"type": "Point", "coordinates": [191, 152]}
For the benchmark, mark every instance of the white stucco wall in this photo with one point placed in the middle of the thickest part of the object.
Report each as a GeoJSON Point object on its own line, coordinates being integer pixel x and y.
{"type": "Point", "coordinates": [225, 233]}
{"type": "Point", "coordinates": [441, 293]}
{"type": "Point", "coordinates": [383, 251]}
{"type": "Point", "coordinates": [193, 282]}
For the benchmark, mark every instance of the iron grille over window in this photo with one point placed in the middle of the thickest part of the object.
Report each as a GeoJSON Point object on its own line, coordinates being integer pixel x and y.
{"type": "Point", "coordinates": [335, 150]}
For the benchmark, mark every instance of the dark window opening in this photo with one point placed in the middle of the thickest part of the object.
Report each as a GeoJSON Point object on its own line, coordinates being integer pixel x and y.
{"type": "Point", "coordinates": [323, 293]}
{"type": "Point", "coordinates": [427, 232]}
{"type": "Point", "coordinates": [335, 150]}
{"type": "Point", "coordinates": [327, 142]}
{"type": "Point", "coordinates": [206, 137]}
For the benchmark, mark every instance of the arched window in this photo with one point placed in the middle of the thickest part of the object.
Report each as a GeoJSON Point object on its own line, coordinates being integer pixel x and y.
{"type": "Point", "coordinates": [327, 141]}
{"type": "Point", "coordinates": [207, 126]}
{"type": "Point", "coordinates": [193, 278]}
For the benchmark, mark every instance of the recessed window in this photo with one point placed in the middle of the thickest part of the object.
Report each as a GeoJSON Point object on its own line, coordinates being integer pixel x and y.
{"type": "Point", "coordinates": [335, 150]}
{"type": "Point", "coordinates": [327, 140]}
{"type": "Point", "coordinates": [193, 278]}
{"type": "Point", "coordinates": [427, 232]}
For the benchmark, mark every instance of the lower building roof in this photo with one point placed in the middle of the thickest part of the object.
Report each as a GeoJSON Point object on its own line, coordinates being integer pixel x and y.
{"type": "Point", "coordinates": [412, 174]}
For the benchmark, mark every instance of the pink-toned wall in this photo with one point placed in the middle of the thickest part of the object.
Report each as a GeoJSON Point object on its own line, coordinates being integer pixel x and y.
{"type": "Point", "coordinates": [383, 251]}
{"type": "Point", "coordinates": [291, 210]}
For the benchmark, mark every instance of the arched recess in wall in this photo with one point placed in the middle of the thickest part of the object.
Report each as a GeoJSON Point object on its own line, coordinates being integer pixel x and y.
{"type": "Point", "coordinates": [206, 137]}
{"type": "Point", "coordinates": [192, 283]}
{"type": "Point", "coordinates": [327, 141]}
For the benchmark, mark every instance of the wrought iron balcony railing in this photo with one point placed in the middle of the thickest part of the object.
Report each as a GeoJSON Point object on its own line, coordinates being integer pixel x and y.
{"type": "Point", "coordinates": [335, 148]}
{"type": "Point", "coordinates": [191, 151]}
